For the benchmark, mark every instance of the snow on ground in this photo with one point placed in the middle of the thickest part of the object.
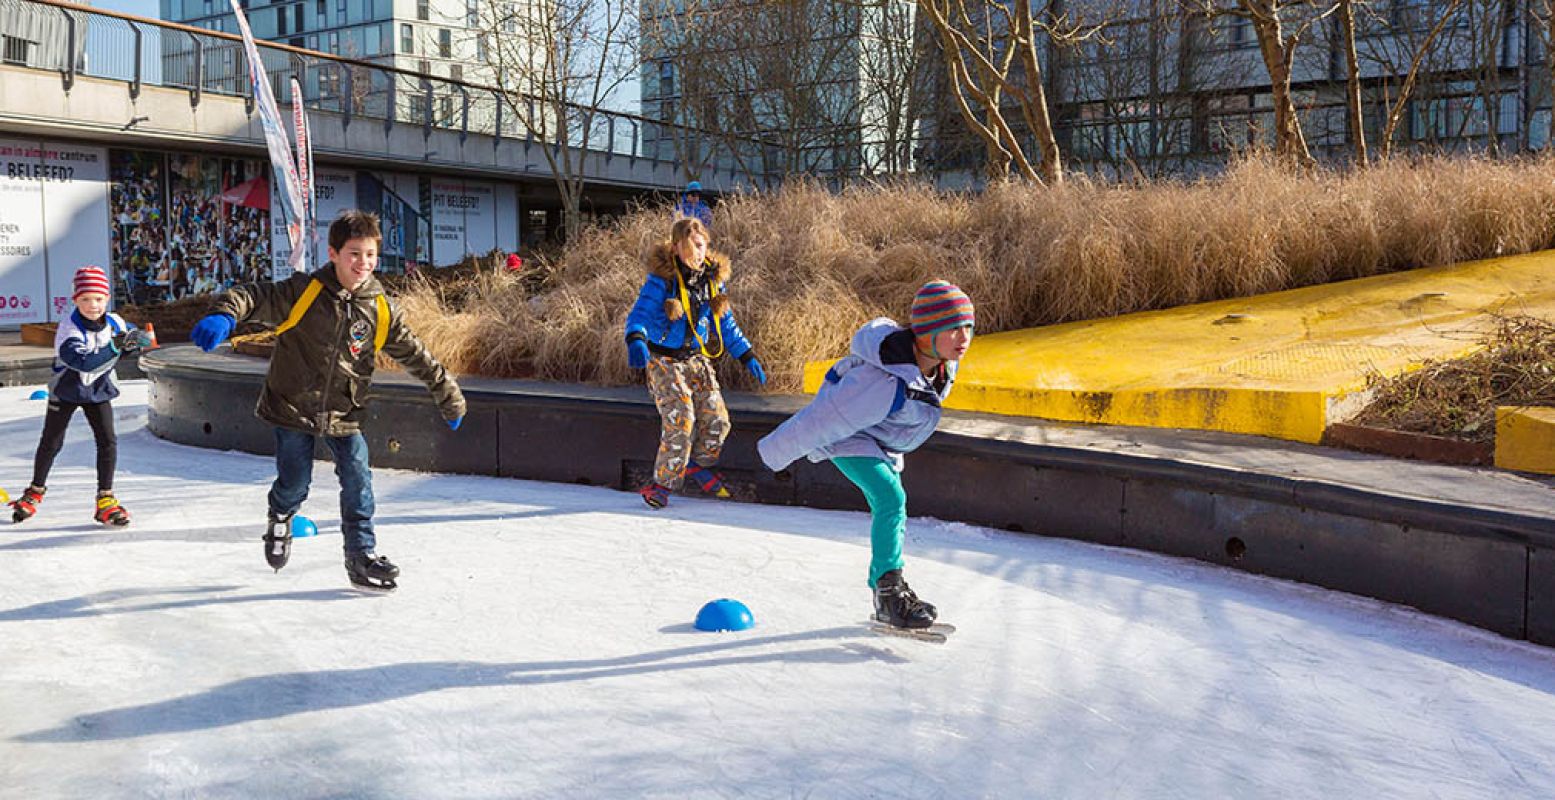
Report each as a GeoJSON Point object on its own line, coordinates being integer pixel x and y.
{"type": "Point", "coordinates": [541, 646]}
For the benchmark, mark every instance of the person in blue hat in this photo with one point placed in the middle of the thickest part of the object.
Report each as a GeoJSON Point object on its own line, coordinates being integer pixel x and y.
{"type": "Point", "coordinates": [691, 205]}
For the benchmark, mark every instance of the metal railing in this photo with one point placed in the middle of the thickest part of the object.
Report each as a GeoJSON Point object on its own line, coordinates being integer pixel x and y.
{"type": "Point", "coordinates": [79, 40]}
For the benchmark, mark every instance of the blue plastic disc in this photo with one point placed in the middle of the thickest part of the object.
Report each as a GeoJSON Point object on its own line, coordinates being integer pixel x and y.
{"type": "Point", "coordinates": [302, 527]}
{"type": "Point", "coordinates": [724, 614]}
{"type": "Point", "coordinates": [39, 394]}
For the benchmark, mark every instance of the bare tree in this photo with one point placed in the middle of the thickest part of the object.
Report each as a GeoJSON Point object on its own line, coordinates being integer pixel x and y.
{"type": "Point", "coordinates": [555, 64]}
{"type": "Point", "coordinates": [990, 53]}
{"type": "Point", "coordinates": [1408, 49]}
{"type": "Point", "coordinates": [1279, 26]}
{"type": "Point", "coordinates": [780, 85]}
{"type": "Point", "coordinates": [892, 60]}
{"type": "Point", "coordinates": [1355, 111]}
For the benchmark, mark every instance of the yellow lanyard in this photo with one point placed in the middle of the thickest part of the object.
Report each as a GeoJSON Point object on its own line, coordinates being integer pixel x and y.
{"type": "Point", "coordinates": [685, 302]}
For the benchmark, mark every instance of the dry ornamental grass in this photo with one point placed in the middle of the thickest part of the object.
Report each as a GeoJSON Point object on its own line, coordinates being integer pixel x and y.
{"type": "Point", "coordinates": [810, 265]}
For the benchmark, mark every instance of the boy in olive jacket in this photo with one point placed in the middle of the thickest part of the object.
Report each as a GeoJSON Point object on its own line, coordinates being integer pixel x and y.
{"type": "Point", "coordinates": [330, 327]}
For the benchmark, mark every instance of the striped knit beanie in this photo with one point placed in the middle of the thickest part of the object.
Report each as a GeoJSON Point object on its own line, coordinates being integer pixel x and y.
{"type": "Point", "coordinates": [940, 306]}
{"type": "Point", "coordinates": [91, 279]}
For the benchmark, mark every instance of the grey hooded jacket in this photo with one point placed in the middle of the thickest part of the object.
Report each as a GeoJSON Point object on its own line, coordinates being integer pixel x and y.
{"type": "Point", "coordinates": [875, 402]}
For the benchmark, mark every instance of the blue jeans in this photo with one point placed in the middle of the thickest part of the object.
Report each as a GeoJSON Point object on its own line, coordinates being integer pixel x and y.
{"type": "Point", "coordinates": [294, 471]}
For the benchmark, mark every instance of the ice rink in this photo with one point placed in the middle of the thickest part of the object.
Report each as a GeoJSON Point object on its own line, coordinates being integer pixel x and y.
{"type": "Point", "coordinates": [541, 646]}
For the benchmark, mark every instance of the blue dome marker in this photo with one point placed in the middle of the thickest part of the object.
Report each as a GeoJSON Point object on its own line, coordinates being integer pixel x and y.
{"type": "Point", "coordinates": [39, 394]}
{"type": "Point", "coordinates": [724, 614]}
{"type": "Point", "coordinates": [302, 527]}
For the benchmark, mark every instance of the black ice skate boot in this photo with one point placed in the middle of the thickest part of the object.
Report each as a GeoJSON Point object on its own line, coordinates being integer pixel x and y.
{"type": "Point", "coordinates": [369, 571]}
{"type": "Point", "coordinates": [22, 508]}
{"type": "Point", "coordinates": [896, 604]}
{"type": "Point", "coordinates": [278, 541]}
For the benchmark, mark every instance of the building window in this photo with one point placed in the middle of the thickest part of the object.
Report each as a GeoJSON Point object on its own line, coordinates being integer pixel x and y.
{"type": "Point", "coordinates": [407, 38]}
{"type": "Point", "coordinates": [280, 21]}
{"type": "Point", "coordinates": [418, 108]}
{"type": "Point", "coordinates": [424, 10]}
{"type": "Point", "coordinates": [456, 72]}
{"type": "Point", "coordinates": [509, 17]}
{"type": "Point", "coordinates": [482, 54]}
{"type": "Point", "coordinates": [297, 20]}
{"type": "Point", "coordinates": [447, 110]}
{"type": "Point", "coordinates": [334, 43]}
{"type": "Point", "coordinates": [322, 9]}
{"type": "Point", "coordinates": [472, 14]}
{"type": "Point", "coordinates": [666, 79]}
{"type": "Point", "coordinates": [445, 43]}
{"type": "Point", "coordinates": [18, 50]}
{"type": "Point", "coordinates": [424, 67]}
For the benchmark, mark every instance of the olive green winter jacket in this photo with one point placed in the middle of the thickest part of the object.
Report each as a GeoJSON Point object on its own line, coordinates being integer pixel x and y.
{"type": "Point", "coordinates": [322, 368]}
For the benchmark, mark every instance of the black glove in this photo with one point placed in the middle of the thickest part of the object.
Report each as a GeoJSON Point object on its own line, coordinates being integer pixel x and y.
{"type": "Point", "coordinates": [131, 341]}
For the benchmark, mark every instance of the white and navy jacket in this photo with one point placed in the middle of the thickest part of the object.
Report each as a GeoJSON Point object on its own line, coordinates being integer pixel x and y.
{"type": "Point", "coordinates": [876, 402]}
{"type": "Point", "coordinates": [84, 358]}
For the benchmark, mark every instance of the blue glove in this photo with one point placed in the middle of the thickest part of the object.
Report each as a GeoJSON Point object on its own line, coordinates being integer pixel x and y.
{"type": "Point", "coordinates": [454, 424]}
{"type": "Point", "coordinates": [636, 353]}
{"type": "Point", "coordinates": [755, 367]}
{"type": "Point", "coordinates": [212, 330]}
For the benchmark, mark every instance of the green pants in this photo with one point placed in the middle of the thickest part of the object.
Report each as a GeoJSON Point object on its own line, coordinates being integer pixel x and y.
{"type": "Point", "coordinates": [882, 488]}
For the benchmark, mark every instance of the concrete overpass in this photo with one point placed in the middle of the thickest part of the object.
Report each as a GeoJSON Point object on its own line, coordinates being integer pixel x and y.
{"type": "Point", "coordinates": [95, 83]}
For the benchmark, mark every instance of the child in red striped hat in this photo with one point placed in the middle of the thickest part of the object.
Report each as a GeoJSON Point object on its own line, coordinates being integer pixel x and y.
{"type": "Point", "coordinates": [879, 402]}
{"type": "Point", "coordinates": [87, 346]}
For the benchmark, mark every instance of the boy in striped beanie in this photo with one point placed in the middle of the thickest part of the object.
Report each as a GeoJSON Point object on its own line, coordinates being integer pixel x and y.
{"type": "Point", "coordinates": [881, 401]}
{"type": "Point", "coordinates": [87, 347]}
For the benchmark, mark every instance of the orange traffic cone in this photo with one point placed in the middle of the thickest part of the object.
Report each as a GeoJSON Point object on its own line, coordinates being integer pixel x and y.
{"type": "Point", "coordinates": [151, 331]}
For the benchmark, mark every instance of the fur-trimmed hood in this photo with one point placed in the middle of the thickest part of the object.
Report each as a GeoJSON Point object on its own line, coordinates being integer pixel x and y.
{"type": "Point", "coordinates": [661, 262]}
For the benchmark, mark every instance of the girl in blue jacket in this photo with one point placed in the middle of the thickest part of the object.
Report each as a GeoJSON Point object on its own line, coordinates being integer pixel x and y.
{"type": "Point", "coordinates": [680, 323]}
{"type": "Point", "coordinates": [87, 346]}
{"type": "Point", "coordinates": [879, 402]}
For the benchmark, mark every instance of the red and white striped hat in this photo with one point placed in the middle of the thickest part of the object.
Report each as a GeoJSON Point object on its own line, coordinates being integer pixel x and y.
{"type": "Point", "coordinates": [90, 280]}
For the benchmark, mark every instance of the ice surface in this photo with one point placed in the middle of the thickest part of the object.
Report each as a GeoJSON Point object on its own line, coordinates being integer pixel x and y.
{"type": "Point", "coordinates": [541, 646]}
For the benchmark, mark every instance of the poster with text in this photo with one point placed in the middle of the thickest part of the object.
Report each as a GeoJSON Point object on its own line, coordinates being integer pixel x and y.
{"type": "Point", "coordinates": [336, 192]}
{"type": "Point", "coordinates": [463, 220]}
{"type": "Point", "coordinates": [75, 215]}
{"type": "Point", "coordinates": [23, 268]}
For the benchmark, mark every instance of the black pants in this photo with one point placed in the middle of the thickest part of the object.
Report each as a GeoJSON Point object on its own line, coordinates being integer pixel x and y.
{"type": "Point", "coordinates": [100, 417]}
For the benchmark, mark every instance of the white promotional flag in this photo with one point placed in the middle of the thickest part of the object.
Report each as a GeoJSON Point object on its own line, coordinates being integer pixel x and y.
{"type": "Point", "coordinates": [310, 205]}
{"type": "Point", "coordinates": [285, 167]}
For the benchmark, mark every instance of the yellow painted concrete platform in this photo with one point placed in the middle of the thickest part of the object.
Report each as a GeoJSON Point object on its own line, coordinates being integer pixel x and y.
{"type": "Point", "coordinates": [1525, 439]}
{"type": "Point", "coordinates": [1284, 364]}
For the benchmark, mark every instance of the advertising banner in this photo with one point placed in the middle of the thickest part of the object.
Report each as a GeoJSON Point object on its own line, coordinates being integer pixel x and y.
{"type": "Point", "coordinates": [464, 220]}
{"type": "Point", "coordinates": [23, 265]}
{"type": "Point", "coordinates": [53, 219]}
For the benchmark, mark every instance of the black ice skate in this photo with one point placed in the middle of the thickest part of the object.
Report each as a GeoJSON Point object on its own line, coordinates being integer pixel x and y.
{"type": "Point", "coordinates": [896, 604]}
{"type": "Point", "coordinates": [372, 572]}
{"type": "Point", "coordinates": [278, 541]}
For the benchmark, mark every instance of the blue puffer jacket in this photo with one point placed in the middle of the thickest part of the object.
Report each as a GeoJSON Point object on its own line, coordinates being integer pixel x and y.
{"type": "Point", "coordinates": [84, 358]}
{"type": "Point", "coordinates": [876, 402]}
{"type": "Point", "coordinates": [659, 318]}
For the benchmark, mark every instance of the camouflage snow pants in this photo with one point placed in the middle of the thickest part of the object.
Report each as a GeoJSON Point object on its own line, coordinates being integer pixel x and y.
{"type": "Point", "coordinates": [691, 410]}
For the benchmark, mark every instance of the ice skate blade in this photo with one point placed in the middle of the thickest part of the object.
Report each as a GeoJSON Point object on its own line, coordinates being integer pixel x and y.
{"type": "Point", "coordinates": [937, 633]}
{"type": "Point", "coordinates": [373, 588]}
